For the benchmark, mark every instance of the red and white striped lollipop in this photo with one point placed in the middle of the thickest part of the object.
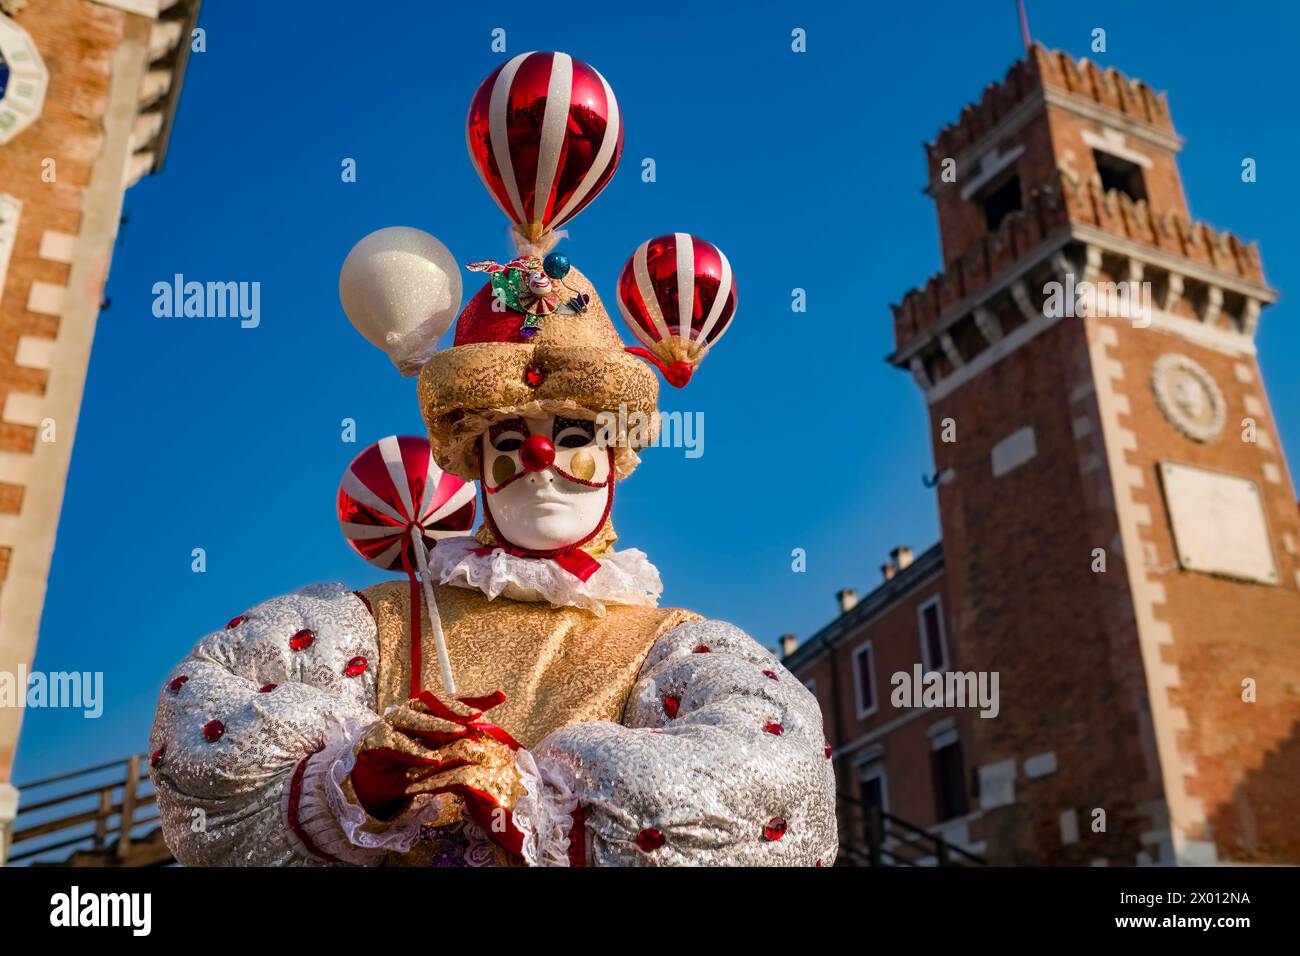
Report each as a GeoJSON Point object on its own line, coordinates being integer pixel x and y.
{"type": "Point", "coordinates": [394, 504]}
{"type": "Point", "coordinates": [677, 296]}
{"type": "Point", "coordinates": [394, 486]}
{"type": "Point", "coordinates": [545, 135]}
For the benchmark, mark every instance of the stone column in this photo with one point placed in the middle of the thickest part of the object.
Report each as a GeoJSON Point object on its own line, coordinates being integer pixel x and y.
{"type": "Point", "coordinates": [8, 810]}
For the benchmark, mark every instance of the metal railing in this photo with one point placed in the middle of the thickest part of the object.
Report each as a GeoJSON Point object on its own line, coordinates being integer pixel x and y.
{"type": "Point", "coordinates": [106, 816]}
{"type": "Point", "coordinates": [98, 816]}
{"type": "Point", "coordinates": [886, 840]}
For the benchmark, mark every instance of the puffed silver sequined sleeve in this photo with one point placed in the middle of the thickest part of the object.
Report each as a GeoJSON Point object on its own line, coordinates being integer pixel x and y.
{"type": "Point", "coordinates": [292, 677]}
{"type": "Point", "coordinates": [720, 760]}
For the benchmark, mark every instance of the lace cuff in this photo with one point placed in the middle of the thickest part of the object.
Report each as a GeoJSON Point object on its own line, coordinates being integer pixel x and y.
{"type": "Point", "coordinates": [545, 814]}
{"type": "Point", "coordinates": [327, 824]}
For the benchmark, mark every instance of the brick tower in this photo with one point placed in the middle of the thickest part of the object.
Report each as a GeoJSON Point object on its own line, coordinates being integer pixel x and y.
{"type": "Point", "coordinates": [88, 93]}
{"type": "Point", "coordinates": [1119, 526]}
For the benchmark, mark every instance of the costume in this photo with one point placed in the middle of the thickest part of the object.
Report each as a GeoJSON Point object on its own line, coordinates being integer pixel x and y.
{"type": "Point", "coordinates": [564, 719]}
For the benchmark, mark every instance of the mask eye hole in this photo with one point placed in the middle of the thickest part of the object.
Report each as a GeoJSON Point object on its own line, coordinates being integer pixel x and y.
{"type": "Point", "coordinates": [507, 436]}
{"type": "Point", "coordinates": [574, 432]}
{"type": "Point", "coordinates": [503, 469]}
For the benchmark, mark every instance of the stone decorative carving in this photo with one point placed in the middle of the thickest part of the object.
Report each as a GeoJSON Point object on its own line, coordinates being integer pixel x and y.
{"type": "Point", "coordinates": [23, 79]}
{"type": "Point", "coordinates": [1189, 397]}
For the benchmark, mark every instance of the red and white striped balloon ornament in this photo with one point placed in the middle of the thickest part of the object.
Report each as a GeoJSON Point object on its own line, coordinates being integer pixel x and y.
{"type": "Point", "coordinates": [677, 295]}
{"type": "Point", "coordinates": [545, 135]}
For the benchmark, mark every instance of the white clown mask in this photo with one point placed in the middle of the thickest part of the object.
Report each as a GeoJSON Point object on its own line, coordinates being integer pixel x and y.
{"type": "Point", "coordinates": [548, 482]}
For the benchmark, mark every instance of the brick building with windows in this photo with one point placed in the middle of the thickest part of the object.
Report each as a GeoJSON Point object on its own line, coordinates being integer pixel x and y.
{"type": "Point", "coordinates": [1119, 528]}
{"type": "Point", "coordinates": [88, 92]}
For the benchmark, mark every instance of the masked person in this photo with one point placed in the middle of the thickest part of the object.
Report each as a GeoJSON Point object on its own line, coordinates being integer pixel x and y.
{"type": "Point", "coordinates": [588, 726]}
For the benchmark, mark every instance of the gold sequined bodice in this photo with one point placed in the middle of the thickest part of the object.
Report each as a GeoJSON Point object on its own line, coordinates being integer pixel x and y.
{"type": "Point", "coordinates": [556, 666]}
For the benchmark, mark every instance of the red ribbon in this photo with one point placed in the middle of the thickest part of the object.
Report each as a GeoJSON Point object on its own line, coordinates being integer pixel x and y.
{"type": "Point", "coordinates": [677, 374]}
{"type": "Point", "coordinates": [470, 723]}
{"type": "Point", "coordinates": [483, 809]}
{"type": "Point", "coordinates": [576, 561]}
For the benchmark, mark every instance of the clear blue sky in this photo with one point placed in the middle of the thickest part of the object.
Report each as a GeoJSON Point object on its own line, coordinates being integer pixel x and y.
{"type": "Point", "coordinates": [806, 169]}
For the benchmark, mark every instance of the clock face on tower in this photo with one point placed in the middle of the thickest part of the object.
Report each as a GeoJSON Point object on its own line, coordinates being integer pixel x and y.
{"type": "Point", "coordinates": [23, 79]}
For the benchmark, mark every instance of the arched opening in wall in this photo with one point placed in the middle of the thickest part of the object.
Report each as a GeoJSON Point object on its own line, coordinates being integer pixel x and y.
{"type": "Point", "coordinates": [1120, 174]}
{"type": "Point", "coordinates": [1000, 200]}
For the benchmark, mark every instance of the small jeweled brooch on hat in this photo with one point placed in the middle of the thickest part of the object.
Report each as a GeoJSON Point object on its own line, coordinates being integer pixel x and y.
{"type": "Point", "coordinates": [533, 287]}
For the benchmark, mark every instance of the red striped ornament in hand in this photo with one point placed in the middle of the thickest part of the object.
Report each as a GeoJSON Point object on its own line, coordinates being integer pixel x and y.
{"type": "Point", "coordinates": [678, 296]}
{"type": "Point", "coordinates": [545, 135]}
{"type": "Point", "coordinates": [395, 485]}
{"type": "Point", "coordinates": [394, 504]}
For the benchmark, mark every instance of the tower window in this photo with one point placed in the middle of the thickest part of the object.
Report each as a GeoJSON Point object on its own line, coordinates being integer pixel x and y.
{"type": "Point", "coordinates": [1120, 174]}
{"type": "Point", "coordinates": [1001, 201]}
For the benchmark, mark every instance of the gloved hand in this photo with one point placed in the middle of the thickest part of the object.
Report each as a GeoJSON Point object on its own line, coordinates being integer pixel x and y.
{"type": "Point", "coordinates": [431, 746]}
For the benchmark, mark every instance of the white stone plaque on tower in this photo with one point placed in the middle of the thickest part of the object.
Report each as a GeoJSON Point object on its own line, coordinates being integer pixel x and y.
{"type": "Point", "coordinates": [1218, 522]}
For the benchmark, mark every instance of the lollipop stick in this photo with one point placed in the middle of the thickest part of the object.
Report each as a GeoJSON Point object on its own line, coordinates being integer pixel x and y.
{"type": "Point", "coordinates": [435, 622]}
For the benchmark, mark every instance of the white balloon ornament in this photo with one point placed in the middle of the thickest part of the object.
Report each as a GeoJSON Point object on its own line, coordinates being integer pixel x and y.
{"type": "Point", "coordinates": [401, 289]}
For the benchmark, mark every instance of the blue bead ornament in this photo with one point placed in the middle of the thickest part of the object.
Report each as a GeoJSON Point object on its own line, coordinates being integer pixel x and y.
{"type": "Point", "coordinates": [556, 265]}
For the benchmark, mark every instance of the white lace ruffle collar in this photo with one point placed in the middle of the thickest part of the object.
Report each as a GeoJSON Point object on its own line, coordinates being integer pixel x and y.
{"type": "Point", "coordinates": [624, 577]}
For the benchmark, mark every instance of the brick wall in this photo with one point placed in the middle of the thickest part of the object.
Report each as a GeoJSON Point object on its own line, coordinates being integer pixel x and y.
{"type": "Point", "coordinates": [69, 132]}
{"type": "Point", "coordinates": [55, 267]}
{"type": "Point", "coordinates": [1027, 604]}
{"type": "Point", "coordinates": [898, 736]}
{"type": "Point", "coordinates": [1243, 759]}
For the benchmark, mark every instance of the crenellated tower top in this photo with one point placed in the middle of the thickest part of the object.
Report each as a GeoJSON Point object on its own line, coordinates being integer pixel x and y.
{"type": "Point", "coordinates": [1064, 167]}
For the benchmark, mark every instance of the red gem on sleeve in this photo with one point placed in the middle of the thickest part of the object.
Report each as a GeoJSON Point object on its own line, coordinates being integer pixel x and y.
{"type": "Point", "coordinates": [775, 829]}
{"type": "Point", "coordinates": [701, 649]}
{"type": "Point", "coordinates": [774, 729]}
{"type": "Point", "coordinates": [213, 730]}
{"type": "Point", "coordinates": [302, 640]}
{"type": "Point", "coordinates": [771, 674]}
{"type": "Point", "coordinates": [827, 751]}
{"type": "Point", "coordinates": [155, 758]}
{"type": "Point", "coordinates": [267, 688]}
{"type": "Point", "coordinates": [356, 667]}
{"type": "Point", "coordinates": [650, 840]}
{"type": "Point", "coordinates": [534, 374]}
{"type": "Point", "coordinates": [670, 705]}
{"type": "Point", "coordinates": [234, 622]}
{"type": "Point", "coordinates": [178, 683]}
